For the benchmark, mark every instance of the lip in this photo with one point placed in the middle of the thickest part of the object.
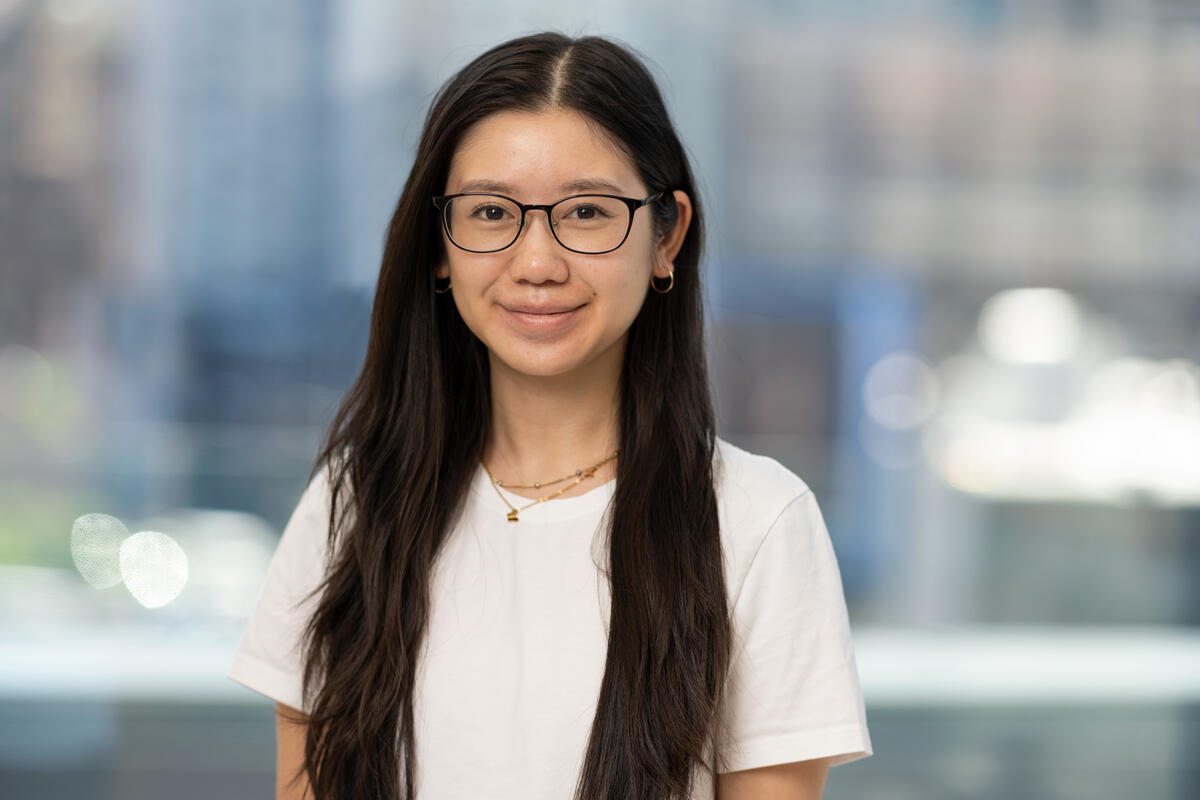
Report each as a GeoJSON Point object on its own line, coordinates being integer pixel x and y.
{"type": "Point", "coordinates": [546, 308]}
{"type": "Point", "coordinates": [543, 319]}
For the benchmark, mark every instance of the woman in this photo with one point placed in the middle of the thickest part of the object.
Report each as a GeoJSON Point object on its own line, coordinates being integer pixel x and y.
{"type": "Point", "coordinates": [524, 565]}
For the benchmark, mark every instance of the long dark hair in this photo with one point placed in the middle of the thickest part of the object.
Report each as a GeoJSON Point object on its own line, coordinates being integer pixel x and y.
{"type": "Point", "coordinates": [407, 438]}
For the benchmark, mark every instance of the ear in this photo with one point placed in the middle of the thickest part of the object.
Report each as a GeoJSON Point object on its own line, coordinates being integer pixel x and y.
{"type": "Point", "coordinates": [443, 269]}
{"type": "Point", "coordinates": [668, 246]}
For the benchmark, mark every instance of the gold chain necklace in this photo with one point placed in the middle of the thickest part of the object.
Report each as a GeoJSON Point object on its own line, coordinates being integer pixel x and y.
{"type": "Point", "coordinates": [579, 473]}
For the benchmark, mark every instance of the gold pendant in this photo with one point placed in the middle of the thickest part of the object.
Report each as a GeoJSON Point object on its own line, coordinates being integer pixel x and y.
{"type": "Point", "coordinates": [512, 516]}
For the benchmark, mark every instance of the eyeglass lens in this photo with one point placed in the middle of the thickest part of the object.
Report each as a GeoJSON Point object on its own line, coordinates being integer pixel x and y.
{"type": "Point", "coordinates": [587, 223]}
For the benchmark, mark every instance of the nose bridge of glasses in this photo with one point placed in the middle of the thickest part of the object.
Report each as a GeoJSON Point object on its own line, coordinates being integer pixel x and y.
{"type": "Point", "coordinates": [543, 207]}
{"type": "Point", "coordinates": [546, 208]}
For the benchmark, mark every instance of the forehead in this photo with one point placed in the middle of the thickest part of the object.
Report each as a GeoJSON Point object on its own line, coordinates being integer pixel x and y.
{"type": "Point", "coordinates": [539, 152]}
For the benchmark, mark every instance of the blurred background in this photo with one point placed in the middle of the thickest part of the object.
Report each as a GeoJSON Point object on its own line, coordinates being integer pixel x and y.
{"type": "Point", "coordinates": [953, 283]}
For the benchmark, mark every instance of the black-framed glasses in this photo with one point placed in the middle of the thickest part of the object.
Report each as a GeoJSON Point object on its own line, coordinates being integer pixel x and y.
{"type": "Point", "coordinates": [482, 222]}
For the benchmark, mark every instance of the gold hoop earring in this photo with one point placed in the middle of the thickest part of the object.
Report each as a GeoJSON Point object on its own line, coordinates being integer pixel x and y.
{"type": "Point", "coordinates": [441, 291]}
{"type": "Point", "coordinates": [671, 274]}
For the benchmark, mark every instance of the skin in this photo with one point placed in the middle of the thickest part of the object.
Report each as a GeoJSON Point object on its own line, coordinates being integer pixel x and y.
{"type": "Point", "coordinates": [291, 725]}
{"type": "Point", "coordinates": [799, 780]}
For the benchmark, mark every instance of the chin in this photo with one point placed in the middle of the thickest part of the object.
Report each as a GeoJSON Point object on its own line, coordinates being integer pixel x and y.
{"type": "Point", "coordinates": [546, 366]}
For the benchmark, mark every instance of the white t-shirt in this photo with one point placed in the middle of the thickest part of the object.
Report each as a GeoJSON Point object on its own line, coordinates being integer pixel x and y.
{"type": "Point", "coordinates": [515, 649]}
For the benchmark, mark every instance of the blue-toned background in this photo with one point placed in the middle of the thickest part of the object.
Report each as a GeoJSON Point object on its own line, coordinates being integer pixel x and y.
{"type": "Point", "coordinates": [953, 282]}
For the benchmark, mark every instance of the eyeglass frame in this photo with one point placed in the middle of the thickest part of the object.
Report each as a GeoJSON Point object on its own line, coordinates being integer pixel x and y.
{"type": "Point", "coordinates": [442, 202]}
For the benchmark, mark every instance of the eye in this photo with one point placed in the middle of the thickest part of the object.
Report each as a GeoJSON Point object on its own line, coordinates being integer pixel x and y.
{"type": "Point", "coordinates": [489, 212]}
{"type": "Point", "coordinates": [585, 212]}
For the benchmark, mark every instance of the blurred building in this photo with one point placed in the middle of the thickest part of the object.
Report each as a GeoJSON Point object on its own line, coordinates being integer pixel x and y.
{"type": "Point", "coordinates": [952, 281]}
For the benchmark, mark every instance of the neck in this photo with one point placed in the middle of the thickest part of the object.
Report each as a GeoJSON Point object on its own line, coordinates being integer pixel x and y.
{"type": "Point", "coordinates": [545, 427]}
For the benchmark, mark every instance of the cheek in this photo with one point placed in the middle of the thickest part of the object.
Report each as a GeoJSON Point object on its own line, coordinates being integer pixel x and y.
{"type": "Point", "coordinates": [632, 290]}
{"type": "Point", "coordinates": [646, 241]}
{"type": "Point", "coordinates": [623, 280]}
{"type": "Point", "coordinates": [464, 291]}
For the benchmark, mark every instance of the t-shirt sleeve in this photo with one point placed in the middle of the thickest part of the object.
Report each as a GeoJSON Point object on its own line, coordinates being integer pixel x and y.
{"type": "Point", "coordinates": [268, 658]}
{"type": "Point", "coordinates": [793, 691]}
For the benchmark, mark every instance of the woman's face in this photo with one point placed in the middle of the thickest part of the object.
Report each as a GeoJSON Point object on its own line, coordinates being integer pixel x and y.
{"type": "Point", "coordinates": [541, 157]}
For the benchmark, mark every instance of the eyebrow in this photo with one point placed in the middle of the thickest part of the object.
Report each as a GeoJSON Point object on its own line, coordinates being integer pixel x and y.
{"type": "Point", "coordinates": [582, 185]}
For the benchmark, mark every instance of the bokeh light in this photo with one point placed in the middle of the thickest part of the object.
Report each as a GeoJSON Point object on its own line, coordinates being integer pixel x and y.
{"type": "Point", "coordinates": [154, 568]}
{"type": "Point", "coordinates": [1031, 325]}
{"type": "Point", "coordinates": [900, 391]}
{"type": "Point", "coordinates": [96, 548]}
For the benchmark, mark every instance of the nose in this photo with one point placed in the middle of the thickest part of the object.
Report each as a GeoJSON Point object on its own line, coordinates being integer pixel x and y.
{"type": "Point", "coordinates": [537, 256]}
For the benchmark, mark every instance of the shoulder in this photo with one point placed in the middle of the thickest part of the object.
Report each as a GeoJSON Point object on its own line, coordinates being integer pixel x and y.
{"type": "Point", "coordinates": [753, 492]}
{"type": "Point", "coordinates": [302, 555]}
{"type": "Point", "coordinates": [751, 487]}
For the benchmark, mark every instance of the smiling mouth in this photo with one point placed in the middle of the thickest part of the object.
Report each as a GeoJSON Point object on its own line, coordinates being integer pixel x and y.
{"type": "Point", "coordinates": [542, 313]}
{"type": "Point", "coordinates": [544, 322]}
